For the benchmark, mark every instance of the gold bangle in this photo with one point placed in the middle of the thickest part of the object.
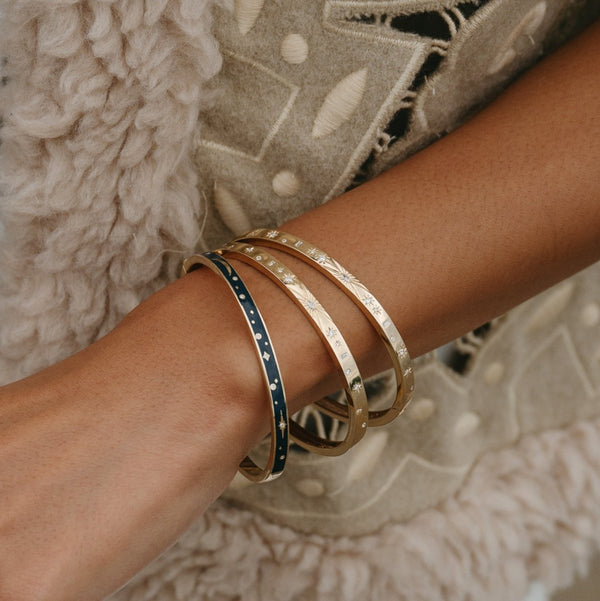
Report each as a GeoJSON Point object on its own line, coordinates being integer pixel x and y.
{"type": "Point", "coordinates": [357, 408]}
{"type": "Point", "coordinates": [268, 361]}
{"type": "Point", "coordinates": [367, 303]}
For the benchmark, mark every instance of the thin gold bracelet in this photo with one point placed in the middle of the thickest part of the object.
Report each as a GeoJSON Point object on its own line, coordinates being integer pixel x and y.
{"type": "Point", "coordinates": [367, 303]}
{"type": "Point", "coordinates": [357, 408]}
{"type": "Point", "coordinates": [268, 361]}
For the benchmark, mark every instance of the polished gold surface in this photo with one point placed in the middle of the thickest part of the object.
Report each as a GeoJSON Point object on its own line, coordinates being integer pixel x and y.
{"type": "Point", "coordinates": [356, 410]}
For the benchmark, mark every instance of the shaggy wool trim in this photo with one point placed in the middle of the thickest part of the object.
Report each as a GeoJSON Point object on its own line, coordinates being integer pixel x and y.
{"type": "Point", "coordinates": [529, 512]}
{"type": "Point", "coordinates": [99, 195]}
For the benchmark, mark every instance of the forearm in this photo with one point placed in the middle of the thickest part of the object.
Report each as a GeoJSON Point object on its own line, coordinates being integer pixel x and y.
{"type": "Point", "coordinates": [481, 220]}
{"type": "Point", "coordinates": [107, 456]}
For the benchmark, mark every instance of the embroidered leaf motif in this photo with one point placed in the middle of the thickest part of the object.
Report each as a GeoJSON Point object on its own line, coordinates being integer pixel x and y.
{"type": "Point", "coordinates": [340, 103]}
{"type": "Point", "coordinates": [246, 12]}
{"type": "Point", "coordinates": [231, 211]}
{"type": "Point", "coordinates": [527, 27]}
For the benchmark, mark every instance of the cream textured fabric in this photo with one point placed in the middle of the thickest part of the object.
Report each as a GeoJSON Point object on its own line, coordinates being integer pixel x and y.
{"type": "Point", "coordinates": [109, 178]}
{"type": "Point", "coordinates": [99, 185]}
{"type": "Point", "coordinates": [527, 511]}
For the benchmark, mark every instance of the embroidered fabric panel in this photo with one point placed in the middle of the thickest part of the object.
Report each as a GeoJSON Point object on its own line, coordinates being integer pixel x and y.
{"type": "Point", "coordinates": [316, 97]}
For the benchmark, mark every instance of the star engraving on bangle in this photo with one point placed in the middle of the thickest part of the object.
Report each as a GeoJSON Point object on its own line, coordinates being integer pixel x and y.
{"type": "Point", "coordinates": [308, 300]}
{"type": "Point", "coordinates": [345, 276]}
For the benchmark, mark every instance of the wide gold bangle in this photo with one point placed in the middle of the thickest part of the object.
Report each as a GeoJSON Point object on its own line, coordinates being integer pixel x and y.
{"type": "Point", "coordinates": [356, 409]}
{"type": "Point", "coordinates": [268, 361]}
{"type": "Point", "coordinates": [367, 303]}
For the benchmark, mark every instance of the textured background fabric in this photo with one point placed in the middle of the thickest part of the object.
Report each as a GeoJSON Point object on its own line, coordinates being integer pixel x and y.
{"type": "Point", "coordinates": [100, 195]}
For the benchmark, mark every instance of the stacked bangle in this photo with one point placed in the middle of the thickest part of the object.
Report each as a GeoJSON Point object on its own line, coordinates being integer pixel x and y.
{"type": "Point", "coordinates": [270, 368]}
{"type": "Point", "coordinates": [355, 413]}
{"type": "Point", "coordinates": [367, 303]}
{"type": "Point", "coordinates": [356, 409]}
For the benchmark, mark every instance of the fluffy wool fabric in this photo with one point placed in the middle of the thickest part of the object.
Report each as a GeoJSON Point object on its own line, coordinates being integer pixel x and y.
{"type": "Point", "coordinates": [528, 512]}
{"type": "Point", "coordinates": [100, 196]}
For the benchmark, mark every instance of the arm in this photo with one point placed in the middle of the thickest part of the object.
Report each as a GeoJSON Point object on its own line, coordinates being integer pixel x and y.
{"type": "Point", "coordinates": [108, 456]}
{"type": "Point", "coordinates": [478, 222]}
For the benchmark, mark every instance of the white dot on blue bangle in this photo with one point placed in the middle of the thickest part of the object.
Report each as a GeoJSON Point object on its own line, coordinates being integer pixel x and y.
{"type": "Point", "coordinates": [258, 335]}
{"type": "Point", "coordinates": [235, 278]}
{"type": "Point", "coordinates": [273, 386]}
{"type": "Point", "coordinates": [242, 296]}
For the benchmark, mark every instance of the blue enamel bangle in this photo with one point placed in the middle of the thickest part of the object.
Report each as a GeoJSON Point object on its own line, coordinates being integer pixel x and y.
{"type": "Point", "coordinates": [268, 361]}
{"type": "Point", "coordinates": [356, 407]}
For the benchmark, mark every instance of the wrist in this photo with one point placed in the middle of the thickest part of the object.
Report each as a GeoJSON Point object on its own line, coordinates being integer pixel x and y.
{"type": "Point", "coordinates": [216, 363]}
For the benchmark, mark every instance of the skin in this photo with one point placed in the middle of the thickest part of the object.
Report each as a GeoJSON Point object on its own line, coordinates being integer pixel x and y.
{"type": "Point", "coordinates": [108, 456]}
